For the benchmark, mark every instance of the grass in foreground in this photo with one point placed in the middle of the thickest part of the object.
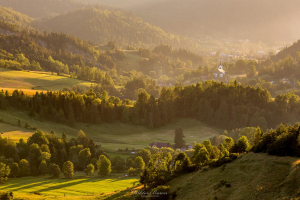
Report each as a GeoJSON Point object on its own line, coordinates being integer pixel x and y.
{"type": "Point", "coordinates": [79, 186]}
{"type": "Point", "coordinates": [253, 176]}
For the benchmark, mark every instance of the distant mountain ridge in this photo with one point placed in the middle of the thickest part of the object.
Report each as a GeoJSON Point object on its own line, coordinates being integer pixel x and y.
{"type": "Point", "coordinates": [39, 9]}
{"type": "Point", "coordinates": [255, 20]}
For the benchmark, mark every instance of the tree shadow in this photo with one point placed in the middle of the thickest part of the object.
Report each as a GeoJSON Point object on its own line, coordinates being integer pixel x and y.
{"type": "Point", "coordinates": [21, 186]}
{"type": "Point", "coordinates": [71, 182]}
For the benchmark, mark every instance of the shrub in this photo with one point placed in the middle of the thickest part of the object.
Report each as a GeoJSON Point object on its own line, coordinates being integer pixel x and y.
{"type": "Point", "coordinates": [89, 169]}
{"type": "Point", "coordinates": [220, 161]}
{"type": "Point", "coordinates": [26, 125]}
{"type": "Point", "coordinates": [222, 183]}
{"type": "Point", "coordinates": [234, 156]}
{"type": "Point", "coordinates": [134, 172]}
{"type": "Point", "coordinates": [6, 195]}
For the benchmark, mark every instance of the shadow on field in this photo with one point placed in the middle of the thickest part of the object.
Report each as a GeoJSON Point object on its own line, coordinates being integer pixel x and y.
{"type": "Point", "coordinates": [23, 185]}
{"type": "Point", "coordinates": [61, 186]}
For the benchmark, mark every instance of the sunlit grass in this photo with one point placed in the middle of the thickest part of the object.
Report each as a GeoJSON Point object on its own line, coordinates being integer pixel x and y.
{"type": "Point", "coordinates": [78, 186]}
{"type": "Point", "coordinates": [36, 80]}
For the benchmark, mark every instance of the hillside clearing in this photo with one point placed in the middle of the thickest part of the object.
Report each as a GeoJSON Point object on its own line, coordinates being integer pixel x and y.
{"type": "Point", "coordinates": [36, 80]}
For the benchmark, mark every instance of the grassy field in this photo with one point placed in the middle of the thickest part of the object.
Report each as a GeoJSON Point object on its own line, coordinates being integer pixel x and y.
{"type": "Point", "coordinates": [253, 176]}
{"type": "Point", "coordinates": [33, 81]}
{"type": "Point", "coordinates": [112, 136]}
{"type": "Point", "coordinates": [78, 187]}
{"type": "Point", "coordinates": [130, 62]}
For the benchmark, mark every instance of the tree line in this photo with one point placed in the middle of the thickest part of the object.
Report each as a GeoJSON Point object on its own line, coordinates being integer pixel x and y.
{"type": "Point", "coordinates": [226, 106]}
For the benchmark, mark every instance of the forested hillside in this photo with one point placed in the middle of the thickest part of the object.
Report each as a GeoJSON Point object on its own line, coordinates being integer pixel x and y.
{"type": "Point", "coordinates": [16, 18]}
{"type": "Point", "coordinates": [102, 25]}
{"type": "Point", "coordinates": [291, 50]}
{"type": "Point", "coordinates": [57, 53]}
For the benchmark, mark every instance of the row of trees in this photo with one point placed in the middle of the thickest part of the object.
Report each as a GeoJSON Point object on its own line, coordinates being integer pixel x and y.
{"type": "Point", "coordinates": [224, 106]}
{"type": "Point", "coordinates": [283, 141]}
{"type": "Point", "coordinates": [48, 154]}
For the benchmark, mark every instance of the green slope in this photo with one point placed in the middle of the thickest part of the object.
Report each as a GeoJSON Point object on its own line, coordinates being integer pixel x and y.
{"type": "Point", "coordinates": [11, 79]}
{"type": "Point", "coordinates": [253, 176]}
{"type": "Point", "coordinates": [112, 136]}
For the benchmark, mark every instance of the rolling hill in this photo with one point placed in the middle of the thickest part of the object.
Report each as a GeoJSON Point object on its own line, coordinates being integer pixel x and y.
{"type": "Point", "coordinates": [291, 50]}
{"type": "Point", "coordinates": [16, 18]}
{"type": "Point", "coordinates": [102, 25]}
{"type": "Point", "coordinates": [40, 9]}
{"type": "Point", "coordinates": [253, 176]}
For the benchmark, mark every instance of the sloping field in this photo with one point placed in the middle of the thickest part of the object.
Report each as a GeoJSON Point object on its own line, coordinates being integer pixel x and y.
{"type": "Point", "coordinates": [253, 176]}
{"type": "Point", "coordinates": [36, 80]}
{"type": "Point", "coordinates": [112, 136]}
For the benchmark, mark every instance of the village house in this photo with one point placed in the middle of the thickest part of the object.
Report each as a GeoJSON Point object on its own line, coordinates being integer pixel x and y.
{"type": "Point", "coordinates": [219, 73]}
{"type": "Point", "coordinates": [285, 80]}
{"type": "Point", "coordinates": [159, 145]}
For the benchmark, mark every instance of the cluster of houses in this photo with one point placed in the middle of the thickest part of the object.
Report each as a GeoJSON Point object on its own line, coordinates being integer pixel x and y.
{"type": "Point", "coordinates": [238, 55]}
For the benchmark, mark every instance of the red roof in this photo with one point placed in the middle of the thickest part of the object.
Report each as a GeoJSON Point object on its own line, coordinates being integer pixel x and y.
{"type": "Point", "coordinates": [159, 144]}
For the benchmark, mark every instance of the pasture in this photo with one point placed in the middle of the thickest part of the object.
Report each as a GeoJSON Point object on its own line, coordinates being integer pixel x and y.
{"type": "Point", "coordinates": [111, 136]}
{"type": "Point", "coordinates": [36, 81]}
{"type": "Point", "coordinates": [79, 187]}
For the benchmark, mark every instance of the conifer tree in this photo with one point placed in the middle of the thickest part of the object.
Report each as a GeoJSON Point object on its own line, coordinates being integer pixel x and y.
{"type": "Point", "coordinates": [178, 139]}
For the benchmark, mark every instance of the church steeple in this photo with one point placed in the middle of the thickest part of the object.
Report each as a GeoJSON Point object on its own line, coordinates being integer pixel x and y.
{"type": "Point", "coordinates": [220, 66]}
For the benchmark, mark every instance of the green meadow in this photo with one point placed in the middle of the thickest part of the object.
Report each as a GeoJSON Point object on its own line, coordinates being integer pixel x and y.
{"type": "Point", "coordinates": [79, 186]}
{"type": "Point", "coordinates": [111, 136]}
{"type": "Point", "coordinates": [11, 79]}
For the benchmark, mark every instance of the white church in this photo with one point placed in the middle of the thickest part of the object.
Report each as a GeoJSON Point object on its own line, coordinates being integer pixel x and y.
{"type": "Point", "coordinates": [219, 73]}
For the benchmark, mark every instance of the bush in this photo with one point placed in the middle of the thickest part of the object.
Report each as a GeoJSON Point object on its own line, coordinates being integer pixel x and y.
{"type": "Point", "coordinates": [222, 183]}
{"type": "Point", "coordinates": [234, 156]}
{"type": "Point", "coordinates": [26, 125]}
{"type": "Point", "coordinates": [220, 161]}
{"type": "Point", "coordinates": [134, 172]}
{"type": "Point", "coordinates": [6, 195]}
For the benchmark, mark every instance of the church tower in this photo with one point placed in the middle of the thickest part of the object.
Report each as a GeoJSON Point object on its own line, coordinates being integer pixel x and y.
{"type": "Point", "coordinates": [220, 66]}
